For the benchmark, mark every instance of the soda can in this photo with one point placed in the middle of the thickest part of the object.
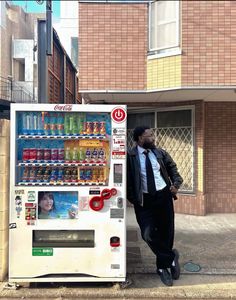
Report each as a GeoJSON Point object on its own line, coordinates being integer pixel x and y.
{"type": "Point", "coordinates": [39, 175]}
{"type": "Point", "coordinates": [32, 175]}
{"type": "Point", "coordinates": [46, 175]}
{"type": "Point", "coordinates": [40, 155]}
{"type": "Point", "coordinates": [60, 154]}
{"type": "Point", "coordinates": [54, 154]}
{"type": "Point", "coordinates": [81, 174]}
{"type": "Point", "coordinates": [25, 176]}
{"type": "Point", "coordinates": [46, 154]}
{"type": "Point", "coordinates": [32, 154]}
{"type": "Point", "coordinates": [26, 154]}
{"type": "Point", "coordinates": [67, 175]}
{"type": "Point", "coordinates": [88, 174]}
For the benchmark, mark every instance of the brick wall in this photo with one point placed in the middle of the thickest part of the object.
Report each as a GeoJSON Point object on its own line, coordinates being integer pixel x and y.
{"type": "Point", "coordinates": [220, 150]}
{"type": "Point", "coordinates": [112, 46]}
{"type": "Point", "coordinates": [208, 43]}
{"type": "Point", "coordinates": [4, 196]}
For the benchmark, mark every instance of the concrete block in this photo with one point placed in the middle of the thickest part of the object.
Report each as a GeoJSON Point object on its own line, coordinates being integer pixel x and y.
{"type": "Point", "coordinates": [3, 263]}
{"type": "Point", "coordinates": [4, 127]}
{"type": "Point", "coordinates": [4, 201]}
{"type": "Point", "coordinates": [5, 145]}
{"type": "Point", "coordinates": [4, 236]}
{"type": "Point", "coordinates": [5, 164]}
{"type": "Point", "coordinates": [4, 220]}
{"type": "Point", "coordinates": [4, 182]}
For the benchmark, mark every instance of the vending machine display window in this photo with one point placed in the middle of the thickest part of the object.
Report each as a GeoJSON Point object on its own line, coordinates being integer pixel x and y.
{"type": "Point", "coordinates": [62, 149]}
{"type": "Point", "coordinates": [57, 205]}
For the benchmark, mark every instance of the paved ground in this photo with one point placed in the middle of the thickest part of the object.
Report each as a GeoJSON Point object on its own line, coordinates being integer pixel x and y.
{"type": "Point", "coordinates": [207, 243]}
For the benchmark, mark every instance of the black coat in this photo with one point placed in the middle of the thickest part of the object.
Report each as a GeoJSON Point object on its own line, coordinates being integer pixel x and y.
{"type": "Point", "coordinates": [168, 171]}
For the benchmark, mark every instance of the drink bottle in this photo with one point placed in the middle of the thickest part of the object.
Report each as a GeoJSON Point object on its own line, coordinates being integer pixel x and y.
{"type": "Point", "coordinates": [71, 122]}
{"type": "Point", "coordinates": [60, 124]}
{"type": "Point", "coordinates": [67, 124]}
{"type": "Point", "coordinates": [39, 124]}
{"type": "Point", "coordinates": [88, 155]}
{"type": "Point", "coordinates": [25, 123]}
{"type": "Point", "coordinates": [53, 125]}
{"type": "Point", "coordinates": [94, 155]}
{"type": "Point", "coordinates": [102, 128]}
{"type": "Point", "coordinates": [67, 154]}
{"type": "Point", "coordinates": [101, 155]}
{"type": "Point", "coordinates": [81, 154]}
{"type": "Point", "coordinates": [74, 155]}
{"type": "Point", "coordinates": [75, 125]}
{"type": "Point", "coordinates": [46, 124]}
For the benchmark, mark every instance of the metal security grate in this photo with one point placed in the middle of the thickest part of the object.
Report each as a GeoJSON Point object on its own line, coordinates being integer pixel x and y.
{"type": "Point", "coordinates": [178, 142]}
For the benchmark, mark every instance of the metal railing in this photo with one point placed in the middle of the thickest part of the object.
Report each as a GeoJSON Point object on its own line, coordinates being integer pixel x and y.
{"type": "Point", "coordinates": [178, 142]}
{"type": "Point", "coordinates": [13, 92]}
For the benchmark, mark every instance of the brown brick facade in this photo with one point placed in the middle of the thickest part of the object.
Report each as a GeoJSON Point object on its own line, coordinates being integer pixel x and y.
{"type": "Point", "coordinates": [112, 46]}
{"type": "Point", "coordinates": [113, 41]}
{"type": "Point", "coordinates": [220, 158]}
{"type": "Point", "coordinates": [208, 43]}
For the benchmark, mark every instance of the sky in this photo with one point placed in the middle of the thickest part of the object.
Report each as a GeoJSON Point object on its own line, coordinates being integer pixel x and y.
{"type": "Point", "coordinates": [34, 7]}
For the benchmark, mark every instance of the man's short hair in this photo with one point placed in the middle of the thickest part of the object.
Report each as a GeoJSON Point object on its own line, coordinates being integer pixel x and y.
{"type": "Point", "coordinates": [138, 131]}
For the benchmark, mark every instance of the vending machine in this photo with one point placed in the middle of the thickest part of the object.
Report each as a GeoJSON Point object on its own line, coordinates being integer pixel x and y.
{"type": "Point", "coordinates": [67, 193]}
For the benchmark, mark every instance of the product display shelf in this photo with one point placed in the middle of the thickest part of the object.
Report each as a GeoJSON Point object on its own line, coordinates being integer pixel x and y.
{"type": "Point", "coordinates": [62, 137]}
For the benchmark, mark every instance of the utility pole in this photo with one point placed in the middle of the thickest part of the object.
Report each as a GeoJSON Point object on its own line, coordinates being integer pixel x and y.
{"type": "Point", "coordinates": [49, 30]}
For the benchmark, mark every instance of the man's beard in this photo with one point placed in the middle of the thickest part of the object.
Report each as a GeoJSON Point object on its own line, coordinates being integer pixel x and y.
{"type": "Point", "coordinates": [149, 145]}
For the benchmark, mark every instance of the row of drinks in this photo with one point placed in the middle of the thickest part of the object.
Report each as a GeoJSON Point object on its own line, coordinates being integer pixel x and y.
{"type": "Point", "coordinates": [61, 175]}
{"type": "Point", "coordinates": [45, 123]}
{"type": "Point", "coordinates": [69, 154]}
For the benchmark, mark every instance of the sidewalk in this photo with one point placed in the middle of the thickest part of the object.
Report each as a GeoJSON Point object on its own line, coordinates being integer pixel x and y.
{"type": "Point", "coordinates": [207, 246]}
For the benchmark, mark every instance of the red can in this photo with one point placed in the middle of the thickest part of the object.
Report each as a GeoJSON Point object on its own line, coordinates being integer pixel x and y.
{"type": "Point", "coordinates": [26, 154]}
{"type": "Point", "coordinates": [46, 154]}
{"type": "Point", "coordinates": [61, 154]}
{"type": "Point", "coordinates": [33, 154]}
{"type": "Point", "coordinates": [40, 154]}
{"type": "Point", "coordinates": [54, 154]}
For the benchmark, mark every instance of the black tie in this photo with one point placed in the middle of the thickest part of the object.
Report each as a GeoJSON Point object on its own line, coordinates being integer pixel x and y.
{"type": "Point", "coordinates": [150, 176]}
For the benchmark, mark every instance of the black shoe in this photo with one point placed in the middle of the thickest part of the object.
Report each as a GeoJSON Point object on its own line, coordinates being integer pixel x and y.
{"type": "Point", "coordinates": [165, 277]}
{"type": "Point", "coordinates": [175, 270]}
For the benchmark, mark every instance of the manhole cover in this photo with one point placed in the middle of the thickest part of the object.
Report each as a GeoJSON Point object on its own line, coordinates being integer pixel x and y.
{"type": "Point", "coordinates": [191, 267]}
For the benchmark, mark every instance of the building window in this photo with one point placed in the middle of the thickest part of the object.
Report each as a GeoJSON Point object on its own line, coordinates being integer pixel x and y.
{"type": "Point", "coordinates": [164, 25]}
{"type": "Point", "coordinates": [173, 131]}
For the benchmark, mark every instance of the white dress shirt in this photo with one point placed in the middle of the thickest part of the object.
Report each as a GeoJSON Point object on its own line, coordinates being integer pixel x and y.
{"type": "Point", "coordinates": [159, 181]}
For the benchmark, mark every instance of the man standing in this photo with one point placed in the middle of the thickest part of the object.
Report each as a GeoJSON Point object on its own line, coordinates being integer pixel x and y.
{"type": "Point", "coordinates": [152, 183]}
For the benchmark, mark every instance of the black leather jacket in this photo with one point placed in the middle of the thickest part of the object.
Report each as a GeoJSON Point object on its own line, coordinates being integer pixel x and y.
{"type": "Point", "coordinates": [168, 171]}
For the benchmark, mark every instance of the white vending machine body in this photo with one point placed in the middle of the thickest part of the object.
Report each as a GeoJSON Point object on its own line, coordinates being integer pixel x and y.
{"type": "Point", "coordinates": [67, 193]}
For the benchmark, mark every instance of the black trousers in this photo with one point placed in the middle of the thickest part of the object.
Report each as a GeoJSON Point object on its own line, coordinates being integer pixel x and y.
{"type": "Point", "coordinates": [156, 222]}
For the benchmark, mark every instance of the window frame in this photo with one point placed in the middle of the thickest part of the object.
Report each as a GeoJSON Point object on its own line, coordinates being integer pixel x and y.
{"type": "Point", "coordinates": [193, 145]}
{"type": "Point", "coordinates": [177, 33]}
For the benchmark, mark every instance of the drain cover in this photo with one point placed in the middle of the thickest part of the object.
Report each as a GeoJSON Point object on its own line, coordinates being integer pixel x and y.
{"type": "Point", "coordinates": [191, 267]}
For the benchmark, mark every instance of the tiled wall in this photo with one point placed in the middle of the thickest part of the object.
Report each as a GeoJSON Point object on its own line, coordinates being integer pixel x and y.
{"type": "Point", "coordinates": [208, 43]}
{"type": "Point", "coordinates": [164, 72]}
{"type": "Point", "coordinates": [4, 196]}
{"type": "Point", "coordinates": [112, 46]}
{"type": "Point", "coordinates": [220, 157]}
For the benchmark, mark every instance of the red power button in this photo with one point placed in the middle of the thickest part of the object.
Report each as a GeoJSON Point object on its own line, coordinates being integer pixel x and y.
{"type": "Point", "coordinates": [118, 114]}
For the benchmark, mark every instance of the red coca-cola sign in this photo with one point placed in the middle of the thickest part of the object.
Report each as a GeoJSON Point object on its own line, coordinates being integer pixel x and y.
{"type": "Point", "coordinates": [66, 107]}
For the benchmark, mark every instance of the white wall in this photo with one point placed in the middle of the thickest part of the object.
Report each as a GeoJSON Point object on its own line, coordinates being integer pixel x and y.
{"type": "Point", "coordinates": [68, 25]}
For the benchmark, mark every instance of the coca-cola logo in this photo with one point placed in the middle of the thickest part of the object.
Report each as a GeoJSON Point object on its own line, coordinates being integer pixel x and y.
{"type": "Point", "coordinates": [67, 107]}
